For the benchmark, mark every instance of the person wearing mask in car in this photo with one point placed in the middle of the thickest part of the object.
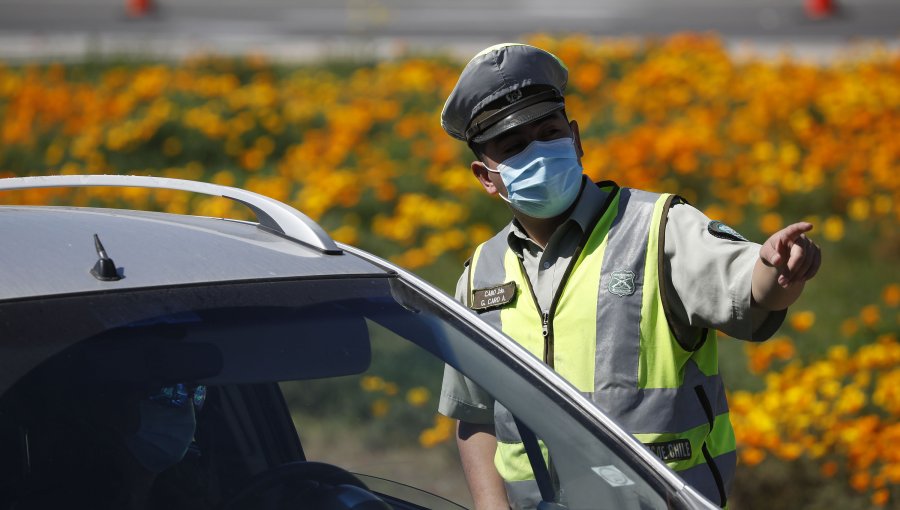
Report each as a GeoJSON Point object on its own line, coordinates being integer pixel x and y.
{"type": "Point", "coordinates": [107, 446]}
{"type": "Point", "coordinates": [619, 290]}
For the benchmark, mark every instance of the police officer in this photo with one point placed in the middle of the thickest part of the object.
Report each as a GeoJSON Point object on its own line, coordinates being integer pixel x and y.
{"type": "Point", "coordinates": [619, 290]}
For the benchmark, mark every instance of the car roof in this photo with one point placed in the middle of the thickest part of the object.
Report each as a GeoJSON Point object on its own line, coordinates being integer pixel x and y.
{"type": "Point", "coordinates": [52, 250]}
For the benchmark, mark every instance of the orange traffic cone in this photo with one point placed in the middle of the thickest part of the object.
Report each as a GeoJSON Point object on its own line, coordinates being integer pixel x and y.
{"type": "Point", "coordinates": [819, 9]}
{"type": "Point", "coordinates": [139, 8]}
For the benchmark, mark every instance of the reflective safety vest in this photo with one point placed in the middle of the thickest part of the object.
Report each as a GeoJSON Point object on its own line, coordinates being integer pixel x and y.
{"type": "Point", "coordinates": [607, 333]}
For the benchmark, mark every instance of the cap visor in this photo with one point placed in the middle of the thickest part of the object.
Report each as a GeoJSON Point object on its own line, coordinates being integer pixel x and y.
{"type": "Point", "coordinates": [518, 118]}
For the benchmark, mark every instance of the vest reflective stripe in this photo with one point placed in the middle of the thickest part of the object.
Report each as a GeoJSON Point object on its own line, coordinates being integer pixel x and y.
{"type": "Point", "coordinates": [495, 266]}
{"type": "Point", "coordinates": [619, 317]}
{"type": "Point", "coordinates": [715, 440]}
{"type": "Point", "coordinates": [523, 495]}
{"type": "Point", "coordinates": [660, 408]}
{"type": "Point", "coordinates": [700, 477]}
{"type": "Point", "coordinates": [610, 338]}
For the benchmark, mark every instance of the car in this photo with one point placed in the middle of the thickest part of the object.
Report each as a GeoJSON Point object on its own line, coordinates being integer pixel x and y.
{"type": "Point", "coordinates": [270, 334]}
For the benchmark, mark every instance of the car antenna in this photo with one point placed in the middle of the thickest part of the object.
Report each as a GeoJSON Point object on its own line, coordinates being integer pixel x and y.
{"type": "Point", "coordinates": [105, 268]}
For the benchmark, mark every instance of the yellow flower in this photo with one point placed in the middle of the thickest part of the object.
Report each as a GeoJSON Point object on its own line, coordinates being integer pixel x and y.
{"type": "Point", "coordinates": [850, 401]}
{"type": "Point", "coordinates": [883, 205]}
{"type": "Point", "coordinates": [372, 383]}
{"type": "Point", "coordinates": [833, 229]}
{"type": "Point", "coordinates": [345, 234]}
{"type": "Point", "coordinates": [838, 353]}
{"type": "Point", "coordinates": [858, 209]}
{"type": "Point", "coordinates": [54, 154]}
{"type": "Point", "coordinates": [790, 451]}
{"type": "Point", "coordinates": [418, 396]}
{"type": "Point", "coordinates": [224, 178]}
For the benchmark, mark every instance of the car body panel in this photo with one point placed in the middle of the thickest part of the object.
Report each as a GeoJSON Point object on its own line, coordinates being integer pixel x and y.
{"type": "Point", "coordinates": [53, 251]}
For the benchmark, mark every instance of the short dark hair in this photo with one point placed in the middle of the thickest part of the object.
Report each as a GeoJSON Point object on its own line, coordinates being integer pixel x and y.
{"type": "Point", "coordinates": [477, 149]}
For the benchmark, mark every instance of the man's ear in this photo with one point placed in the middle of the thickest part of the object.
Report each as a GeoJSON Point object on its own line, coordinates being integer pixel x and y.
{"type": "Point", "coordinates": [576, 135]}
{"type": "Point", "coordinates": [480, 171]}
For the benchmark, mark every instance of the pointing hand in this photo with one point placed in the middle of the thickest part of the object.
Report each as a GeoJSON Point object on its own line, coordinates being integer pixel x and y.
{"type": "Point", "coordinates": [795, 255]}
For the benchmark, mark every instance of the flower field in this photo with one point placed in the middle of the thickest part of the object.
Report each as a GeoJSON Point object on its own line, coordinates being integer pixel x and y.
{"type": "Point", "coordinates": [357, 146]}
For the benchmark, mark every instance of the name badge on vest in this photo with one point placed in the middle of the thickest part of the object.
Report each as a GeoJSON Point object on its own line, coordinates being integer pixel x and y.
{"type": "Point", "coordinates": [671, 451]}
{"type": "Point", "coordinates": [493, 297]}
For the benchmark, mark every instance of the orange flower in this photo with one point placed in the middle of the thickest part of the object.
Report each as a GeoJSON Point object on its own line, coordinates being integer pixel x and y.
{"type": "Point", "coordinates": [390, 389]}
{"type": "Point", "coordinates": [849, 327]}
{"type": "Point", "coordinates": [790, 451]}
{"type": "Point", "coordinates": [870, 315]}
{"type": "Point", "coordinates": [829, 469]}
{"type": "Point", "coordinates": [770, 223]}
{"type": "Point", "coordinates": [880, 497]}
{"type": "Point", "coordinates": [441, 432]}
{"type": "Point", "coordinates": [752, 456]}
{"type": "Point", "coordinates": [380, 408]}
{"type": "Point", "coordinates": [860, 481]}
{"type": "Point", "coordinates": [891, 295]}
{"type": "Point", "coordinates": [802, 321]}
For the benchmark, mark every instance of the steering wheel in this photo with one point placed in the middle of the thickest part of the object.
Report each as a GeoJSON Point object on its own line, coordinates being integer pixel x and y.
{"type": "Point", "coordinates": [329, 487]}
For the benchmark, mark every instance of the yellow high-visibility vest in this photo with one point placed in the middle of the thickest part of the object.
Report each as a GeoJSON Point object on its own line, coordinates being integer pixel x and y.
{"type": "Point", "coordinates": [606, 332]}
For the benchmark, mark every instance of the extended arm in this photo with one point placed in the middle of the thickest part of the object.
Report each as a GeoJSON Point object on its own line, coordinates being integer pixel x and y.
{"type": "Point", "coordinates": [477, 444]}
{"type": "Point", "coordinates": [786, 261]}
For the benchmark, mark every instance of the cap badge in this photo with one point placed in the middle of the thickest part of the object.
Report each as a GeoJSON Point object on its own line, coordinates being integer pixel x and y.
{"type": "Point", "coordinates": [514, 96]}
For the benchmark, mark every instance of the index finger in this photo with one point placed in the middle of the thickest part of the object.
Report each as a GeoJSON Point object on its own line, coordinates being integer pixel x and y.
{"type": "Point", "coordinates": [793, 232]}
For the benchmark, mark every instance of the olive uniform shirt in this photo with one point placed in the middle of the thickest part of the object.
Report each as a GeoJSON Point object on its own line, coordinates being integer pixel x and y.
{"type": "Point", "coordinates": [707, 279]}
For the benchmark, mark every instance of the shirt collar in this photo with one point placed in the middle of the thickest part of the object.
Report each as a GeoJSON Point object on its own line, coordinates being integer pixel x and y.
{"type": "Point", "coordinates": [589, 200]}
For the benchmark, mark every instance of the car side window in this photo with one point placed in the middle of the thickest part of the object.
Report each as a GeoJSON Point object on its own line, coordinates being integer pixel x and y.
{"type": "Point", "coordinates": [382, 423]}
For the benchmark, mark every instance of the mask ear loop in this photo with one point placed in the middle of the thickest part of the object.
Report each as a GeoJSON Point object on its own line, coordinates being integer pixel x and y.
{"type": "Point", "coordinates": [489, 169]}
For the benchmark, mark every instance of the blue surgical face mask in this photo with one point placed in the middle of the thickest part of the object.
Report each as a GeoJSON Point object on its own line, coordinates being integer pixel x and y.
{"type": "Point", "coordinates": [543, 180]}
{"type": "Point", "coordinates": [164, 435]}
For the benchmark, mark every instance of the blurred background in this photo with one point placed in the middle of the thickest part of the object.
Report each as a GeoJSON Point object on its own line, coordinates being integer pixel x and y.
{"type": "Point", "coordinates": [760, 112]}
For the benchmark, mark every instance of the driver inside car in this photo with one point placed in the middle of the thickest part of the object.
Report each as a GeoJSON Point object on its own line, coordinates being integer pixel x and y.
{"type": "Point", "coordinates": [102, 446]}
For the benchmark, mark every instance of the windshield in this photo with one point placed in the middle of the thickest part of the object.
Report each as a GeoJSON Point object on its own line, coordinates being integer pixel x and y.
{"type": "Point", "coordinates": [351, 366]}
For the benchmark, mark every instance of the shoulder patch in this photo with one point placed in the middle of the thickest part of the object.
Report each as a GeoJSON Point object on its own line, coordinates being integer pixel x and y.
{"type": "Point", "coordinates": [723, 231]}
{"type": "Point", "coordinates": [493, 297]}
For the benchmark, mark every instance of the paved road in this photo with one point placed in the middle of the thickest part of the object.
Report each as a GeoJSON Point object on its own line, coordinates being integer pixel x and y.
{"type": "Point", "coordinates": [300, 26]}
